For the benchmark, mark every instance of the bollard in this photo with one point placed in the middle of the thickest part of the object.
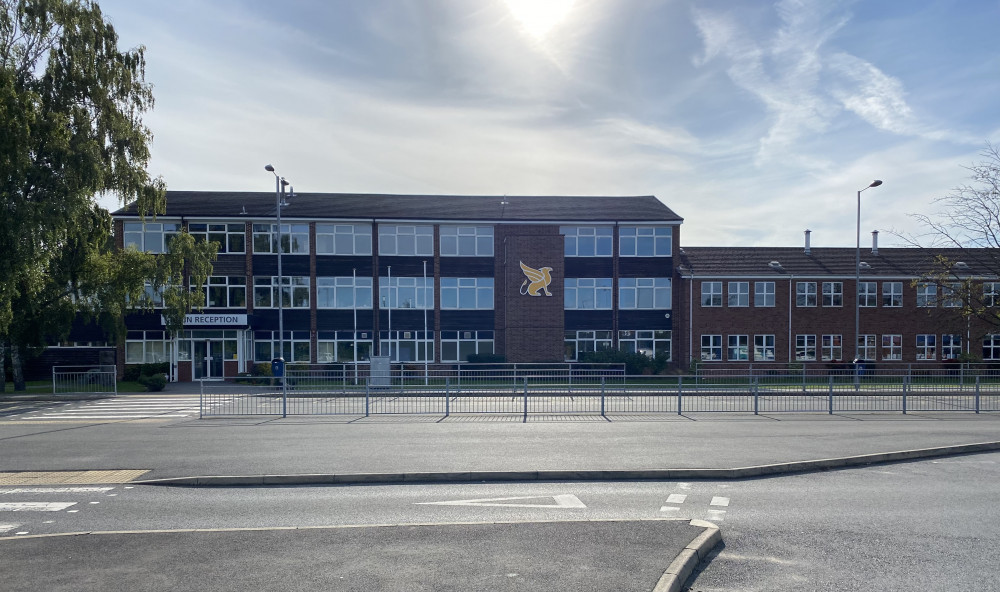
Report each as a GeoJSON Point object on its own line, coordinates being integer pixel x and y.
{"type": "Point", "coordinates": [447, 397]}
{"type": "Point", "coordinates": [525, 400]}
{"type": "Point", "coordinates": [756, 397]}
{"type": "Point", "coordinates": [602, 397]}
{"type": "Point", "coordinates": [368, 386]}
{"type": "Point", "coordinates": [904, 395]}
{"type": "Point", "coordinates": [830, 404]}
{"type": "Point", "coordinates": [680, 393]}
{"type": "Point", "coordinates": [977, 394]}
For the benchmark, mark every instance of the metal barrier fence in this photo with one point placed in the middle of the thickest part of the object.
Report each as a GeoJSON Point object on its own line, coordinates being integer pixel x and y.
{"type": "Point", "coordinates": [84, 379]}
{"type": "Point", "coordinates": [596, 393]}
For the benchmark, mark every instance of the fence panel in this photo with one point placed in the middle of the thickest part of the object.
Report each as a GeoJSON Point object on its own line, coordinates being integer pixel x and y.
{"type": "Point", "coordinates": [85, 379]}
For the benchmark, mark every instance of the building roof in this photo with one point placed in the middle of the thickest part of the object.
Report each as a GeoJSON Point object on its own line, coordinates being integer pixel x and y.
{"type": "Point", "coordinates": [794, 261]}
{"type": "Point", "coordinates": [222, 204]}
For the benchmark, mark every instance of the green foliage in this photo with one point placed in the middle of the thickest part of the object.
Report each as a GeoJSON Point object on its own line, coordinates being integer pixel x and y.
{"type": "Point", "coordinates": [263, 369]}
{"type": "Point", "coordinates": [635, 363]}
{"type": "Point", "coordinates": [134, 371]}
{"type": "Point", "coordinates": [486, 358]}
{"type": "Point", "coordinates": [153, 383]}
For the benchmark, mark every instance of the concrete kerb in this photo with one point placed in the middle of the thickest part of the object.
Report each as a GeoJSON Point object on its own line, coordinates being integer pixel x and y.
{"type": "Point", "coordinates": [687, 560]}
{"type": "Point", "coordinates": [788, 468]}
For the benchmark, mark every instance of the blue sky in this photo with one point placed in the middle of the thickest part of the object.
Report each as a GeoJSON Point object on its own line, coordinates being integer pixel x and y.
{"type": "Point", "coordinates": [753, 120]}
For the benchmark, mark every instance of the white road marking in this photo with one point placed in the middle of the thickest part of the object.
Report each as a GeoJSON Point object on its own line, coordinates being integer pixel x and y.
{"type": "Point", "coordinates": [716, 515]}
{"type": "Point", "coordinates": [676, 498]}
{"type": "Point", "coordinates": [670, 509]}
{"type": "Point", "coordinates": [7, 527]}
{"type": "Point", "coordinates": [10, 490]}
{"type": "Point", "coordinates": [719, 501]}
{"type": "Point", "coordinates": [35, 506]}
{"type": "Point", "coordinates": [561, 501]}
{"type": "Point", "coordinates": [684, 486]}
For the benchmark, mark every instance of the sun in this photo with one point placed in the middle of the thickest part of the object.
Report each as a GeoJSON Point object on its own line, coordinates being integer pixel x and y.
{"type": "Point", "coordinates": [539, 17]}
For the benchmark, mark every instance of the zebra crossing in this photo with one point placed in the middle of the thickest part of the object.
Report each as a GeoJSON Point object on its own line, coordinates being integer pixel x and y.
{"type": "Point", "coordinates": [121, 408]}
{"type": "Point", "coordinates": [19, 516]}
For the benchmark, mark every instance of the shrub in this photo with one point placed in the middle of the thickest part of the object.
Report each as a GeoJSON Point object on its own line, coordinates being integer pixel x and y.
{"type": "Point", "coordinates": [132, 372]}
{"type": "Point", "coordinates": [153, 383]}
{"type": "Point", "coordinates": [486, 358]}
{"type": "Point", "coordinates": [635, 363]}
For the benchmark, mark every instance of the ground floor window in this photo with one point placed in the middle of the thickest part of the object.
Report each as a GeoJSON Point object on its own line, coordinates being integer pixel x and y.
{"type": "Point", "coordinates": [648, 343]}
{"type": "Point", "coordinates": [805, 348]}
{"type": "Point", "coordinates": [711, 348]}
{"type": "Point", "coordinates": [926, 347]}
{"type": "Point", "coordinates": [581, 342]}
{"type": "Point", "coordinates": [296, 346]}
{"type": "Point", "coordinates": [457, 346]}
{"type": "Point", "coordinates": [951, 347]}
{"type": "Point", "coordinates": [739, 348]}
{"type": "Point", "coordinates": [147, 347]}
{"type": "Point", "coordinates": [833, 348]}
{"type": "Point", "coordinates": [991, 347]}
{"type": "Point", "coordinates": [407, 346]}
{"type": "Point", "coordinates": [892, 347]}
{"type": "Point", "coordinates": [763, 348]}
{"type": "Point", "coordinates": [343, 346]}
{"type": "Point", "coordinates": [866, 347]}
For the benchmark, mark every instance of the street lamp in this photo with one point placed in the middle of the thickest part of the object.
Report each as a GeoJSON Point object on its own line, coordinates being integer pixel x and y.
{"type": "Point", "coordinates": [857, 283]}
{"type": "Point", "coordinates": [279, 186]}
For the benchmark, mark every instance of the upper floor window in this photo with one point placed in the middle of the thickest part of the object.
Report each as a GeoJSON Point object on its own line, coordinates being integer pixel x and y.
{"type": "Point", "coordinates": [406, 292]}
{"type": "Point", "coordinates": [926, 295]}
{"type": "Point", "coordinates": [991, 293]}
{"type": "Point", "coordinates": [892, 294]}
{"type": "Point", "coordinates": [152, 237]}
{"type": "Point", "coordinates": [587, 241]}
{"type": "Point", "coordinates": [587, 294]}
{"type": "Point", "coordinates": [644, 293]}
{"type": "Point", "coordinates": [739, 293]}
{"type": "Point", "coordinates": [805, 294]}
{"type": "Point", "coordinates": [644, 241]}
{"type": "Point", "coordinates": [344, 292]}
{"type": "Point", "coordinates": [833, 293]}
{"type": "Point", "coordinates": [951, 295]}
{"type": "Point", "coordinates": [467, 293]}
{"type": "Point", "coordinates": [466, 241]}
{"type": "Point", "coordinates": [343, 239]}
{"type": "Point", "coordinates": [868, 294]}
{"type": "Point", "coordinates": [711, 293]}
{"type": "Point", "coordinates": [294, 291]}
{"type": "Point", "coordinates": [763, 293]}
{"type": "Point", "coordinates": [294, 238]}
{"type": "Point", "coordinates": [226, 291]}
{"type": "Point", "coordinates": [405, 240]}
{"type": "Point", "coordinates": [231, 237]}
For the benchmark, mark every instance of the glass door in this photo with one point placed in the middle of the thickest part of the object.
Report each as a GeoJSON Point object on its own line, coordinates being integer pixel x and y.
{"type": "Point", "coordinates": [207, 359]}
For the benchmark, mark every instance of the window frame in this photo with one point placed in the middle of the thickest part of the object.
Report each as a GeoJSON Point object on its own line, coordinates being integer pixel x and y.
{"type": "Point", "coordinates": [713, 290]}
{"type": "Point", "coordinates": [762, 297]}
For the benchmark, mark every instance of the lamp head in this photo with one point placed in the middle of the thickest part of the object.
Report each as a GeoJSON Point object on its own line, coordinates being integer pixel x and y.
{"type": "Point", "coordinates": [876, 183]}
{"type": "Point", "coordinates": [269, 168]}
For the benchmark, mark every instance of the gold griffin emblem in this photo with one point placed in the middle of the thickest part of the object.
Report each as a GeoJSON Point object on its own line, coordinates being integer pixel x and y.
{"type": "Point", "coordinates": [539, 280]}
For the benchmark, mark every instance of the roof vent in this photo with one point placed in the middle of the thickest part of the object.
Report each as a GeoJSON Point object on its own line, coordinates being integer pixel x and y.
{"type": "Point", "coordinates": [775, 265]}
{"type": "Point", "coordinates": [961, 265]}
{"type": "Point", "coordinates": [864, 265]}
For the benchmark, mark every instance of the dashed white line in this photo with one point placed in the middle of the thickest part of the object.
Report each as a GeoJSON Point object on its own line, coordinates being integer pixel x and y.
{"type": "Point", "coordinates": [719, 501]}
{"type": "Point", "coordinates": [676, 498]}
{"type": "Point", "coordinates": [35, 506]}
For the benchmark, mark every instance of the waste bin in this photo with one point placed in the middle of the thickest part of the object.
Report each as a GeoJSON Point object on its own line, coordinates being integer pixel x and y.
{"type": "Point", "coordinates": [860, 366]}
{"type": "Point", "coordinates": [278, 367]}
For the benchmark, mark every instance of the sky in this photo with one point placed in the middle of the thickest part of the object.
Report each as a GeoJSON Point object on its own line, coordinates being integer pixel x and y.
{"type": "Point", "coordinates": [752, 120]}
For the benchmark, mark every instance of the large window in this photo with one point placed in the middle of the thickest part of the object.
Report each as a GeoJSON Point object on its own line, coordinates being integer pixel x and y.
{"type": "Point", "coordinates": [294, 291]}
{"type": "Point", "coordinates": [833, 348]}
{"type": "Point", "coordinates": [648, 343]}
{"type": "Point", "coordinates": [866, 347]}
{"type": "Point", "coordinates": [926, 295]}
{"type": "Point", "coordinates": [457, 346]}
{"type": "Point", "coordinates": [763, 348]}
{"type": "Point", "coordinates": [587, 241]}
{"type": "Point", "coordinates": [805, 294]}
{"type": "Point", "coordinates": [343, 239]}
{"type": "Point", "coordinates": [231, 237]}
{"type": "Point", "coordinates": [147, 347]}
{"type": "Point", "coordinates": [892, 347]}
{"type": "Point", "coordinates": [951, 347]}
{"type": "Point", "coordinates": [587, 294]}
{"type": "Point", "coordinates": [344, 292]}
{"type": "Point", "coordinates": [226, 292]}
{"type": "Point", "coordinates": [296, 346]}
{"type": "Point", "coordinates": [739, 293]}
{"type": "Point", "coordinates": [407, 346]}
{"type": "Point", "coordinates": [926, 347]}
{"type": "Point", "coordinates": [739, 348]}
{"type": "Point", "coordinates": [408, 240]}
{"type": "Point", "coordinates": [711, 293]}
{"type": "Point", "coordinates": [711, 348]}
{"type": "Point", "coordinates": [466, 293]}
{"type": "Point", "coordinates": [581, 342]}
{"type": "Point", "coordinates": [644, 293]}
{"type": "Point", "coordinates": [991, 293]}
{"type": "Point", "coordinates": [763, 294]}
{"type": "Point", "coordinates": [294, 239]}
{"type": "Point", "coordinates": [868, 294]}
{"type": "Point", "coordinates": [344, 347]}
{"type": "Point", "coordinates": [892, 294]}
{"type": "Point", "coordinates": [951, 295]}
{"type": "Point", "coordinates": [833, 294]}
{"type": "Point", "coordinates": [152, 237]}
{"type": "Point", "coordinates": [466, 241]}
{"type": "Point", "coordinates": [991, 347]}
{"type": "Point", "coordinates": [406, 292]}
{"type": "Point", "coordinates": [644, 241]}
{"type": "Point", "coordinates": [805, 348]}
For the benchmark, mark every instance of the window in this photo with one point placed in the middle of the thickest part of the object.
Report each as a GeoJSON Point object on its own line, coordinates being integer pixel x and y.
{"type": "Point", "coordinates": [739, 293]}
{"type": "Point", "coordinates": [892, 294]}
{"type": "Point", "coordinates": [951, 347]}
{"type": "Point", "coordinates": [763, 294]}
{"type": "Point", "coordinates": [343, 239]}
{"type": "Point", "coordinates": [152, 295]}
{"type": "Point", "coordinates": [739, 348]}
{"type": "Point", "coordinates": [226, 292]}
{"type": "Point", "coordinates": [805, 348]}
{"type": "Point", "coordinates": [587, 294]}
{"type": "Point", "coordinates": [644, 293]}
{"type": "Point", "coordinates": [711, 293]}
{"type": "Point", "coordinates": [805, 293]}
{"type": "Point", "coordinates": [405, 240]}
{"type": "Point", "coordinates": [833, 348]}
{"type": "Point", "coordinates": [294, 239]}
{"type": "Point", "coordinates": [457, 346]}
{"type": "Point", "coordinates": [644, 241]}
{"type": "Point", "coordinates": [348, 292]}
{"type": "Point", "coordinates": [991, 347]}
{"type": "Point", "coordinates": [648, 343]}
{"type": "Point", "coordinates": [152, 237]}
{"type": "Point", "coordinates": [833, 295]}
{"type": "Point", "coordinates": [711, 348]}
{"type": "Point", "coordinates": [231, 237]}
{"type": "Point", "coordinates": [406, 292]}
{"type": "Point", "coordinates": [868, 294]}
{"type": "Point", "coordinates": [951, 295]}
{"type": "Point", "coordinates": [581, 342]}
{"type": "Point", "coordinates": [147, 347]}
{"type": "Point", "coordinates": [466, 294]}
{"type": "Point", "coordinates": [294, 292]}
{"type": "Point", "coordinates": [587, 241]}
{"type": "Point", "coordinates": [991, 293]}
{"type": "Point", "coordinates": [466, 241]}
{"type": "Point", "coordinates": [407, 346]}
{"type": "Point", "coordinates": [343, 346]}
{"type": "Point", "coordinates": [763, 348]}
{"type": "Point", "coordinates": [926, 347]}
{"type": "Point", "coordinates": [866, 347]}
{"type": "Point", "coordinates": [892, 347]}
{"type": "Point", "coordinates": [296, 346]}
{"type": "Point", "coordinates": [926, 295]}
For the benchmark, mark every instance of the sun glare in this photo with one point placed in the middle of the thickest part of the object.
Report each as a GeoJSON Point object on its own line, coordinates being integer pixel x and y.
{"type": "Point", "coordinates": [538, 17]}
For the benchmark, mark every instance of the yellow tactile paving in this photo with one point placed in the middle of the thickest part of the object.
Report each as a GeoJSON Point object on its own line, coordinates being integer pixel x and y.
{"type": "Point", "coordinates": [70, 477]}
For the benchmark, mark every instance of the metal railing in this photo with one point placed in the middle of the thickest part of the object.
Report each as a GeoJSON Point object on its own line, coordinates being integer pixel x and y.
{"type": "Point", "coordinates": [84, 379]}
{"type": "Point", "coordinates": [599, 392]}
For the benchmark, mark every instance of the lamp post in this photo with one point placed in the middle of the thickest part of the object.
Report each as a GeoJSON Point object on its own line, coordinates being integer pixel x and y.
{"type": "Point", "coordinates": [857, 283]}
{"type": "Point", "coordinates": [279, 185]}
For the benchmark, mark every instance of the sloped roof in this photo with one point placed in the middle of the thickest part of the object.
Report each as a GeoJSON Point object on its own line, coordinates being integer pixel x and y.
{"type": "Point", "coordinates": [794, 261]}
{"type": "Point", "coordinates": [221, 204]}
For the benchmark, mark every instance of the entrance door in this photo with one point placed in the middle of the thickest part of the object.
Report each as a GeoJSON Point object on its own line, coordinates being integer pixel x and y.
{"type": "Point", "coordinates": [208, 359]}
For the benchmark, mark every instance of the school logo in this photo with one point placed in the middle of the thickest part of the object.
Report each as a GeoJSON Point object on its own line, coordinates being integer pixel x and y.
{"type": "Point", "coordinates": [538, 279]}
